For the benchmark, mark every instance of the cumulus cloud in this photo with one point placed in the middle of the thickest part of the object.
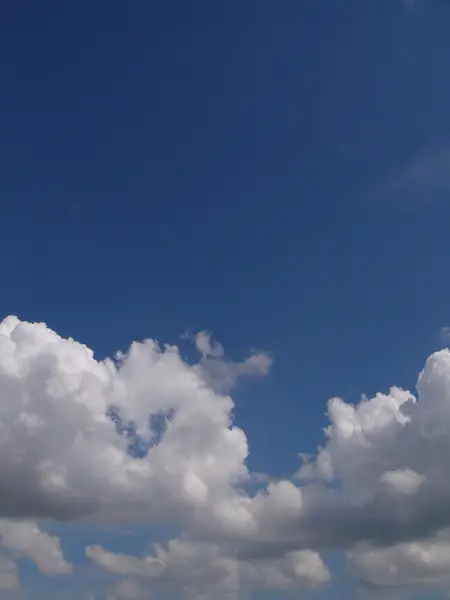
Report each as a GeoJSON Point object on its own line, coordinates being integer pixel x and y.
{"type": "Point", "coordinates": [388, 457]}
{"type": "Point", "coordinates": [28, 540]}
{"type": "Point", "coordinates": [24, 539]}
{"type": "Point", "coordinates": [206, 570]}
{"type": "Point", "coordinates": [61, 454]}
{"type": "Point", "coordinates": [421, 562]}
{"type": "Point", "coordinates": [378, 488]}
{"type": "Point", "coordinates": [404, 481]}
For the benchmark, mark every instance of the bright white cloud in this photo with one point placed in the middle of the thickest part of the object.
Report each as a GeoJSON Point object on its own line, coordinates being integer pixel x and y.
{"type": "Point", "coordinates": [404, 481]}
{"type": "Point", "coordinates": [377, 488]}
{"type": "Point", "coordinates": [60, 453]}
{"type": "Point", "coordinates": [388, 457]}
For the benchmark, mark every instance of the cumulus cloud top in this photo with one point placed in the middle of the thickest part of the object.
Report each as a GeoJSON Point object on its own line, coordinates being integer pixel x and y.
{"type": "Point", "coordinates": [378, 488]}
{"type": "Point", "coordinates": [61, 455]}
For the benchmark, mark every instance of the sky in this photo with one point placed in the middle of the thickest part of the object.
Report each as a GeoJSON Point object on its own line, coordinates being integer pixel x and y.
{"type": "Point", "coordinates": [224, 300]}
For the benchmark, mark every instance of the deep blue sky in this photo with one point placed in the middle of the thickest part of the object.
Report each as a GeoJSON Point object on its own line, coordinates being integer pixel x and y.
{"type": "Point", "coordinates": [218, 165]}
{"type": "Point", "coordinates": [275, 172]}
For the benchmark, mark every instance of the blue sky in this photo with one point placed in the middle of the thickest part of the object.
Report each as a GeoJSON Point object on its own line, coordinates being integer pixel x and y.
{"type": "Point", "coordinates": [277, 173]}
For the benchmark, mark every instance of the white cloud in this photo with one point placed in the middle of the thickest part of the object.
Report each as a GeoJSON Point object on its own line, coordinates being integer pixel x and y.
{"type": "Point", "coordinates": [60, 453]}
{"type": "Point", "coordinates": [221, 373]}
{"type": "Point", "coordinates": [28, 540]}
{"type": "Point", "coordinates": [419, 563]}
{"type": "Point", "coordinates": [195, 570]}
{"type": "Point", "coordinates": [404, 481]}
{"type": "Point", "coordinates": [207, 346]}
{"type": "Point", "coordinates": [24, 539]}
{"type": "Point", "coordinates": [378, 487]}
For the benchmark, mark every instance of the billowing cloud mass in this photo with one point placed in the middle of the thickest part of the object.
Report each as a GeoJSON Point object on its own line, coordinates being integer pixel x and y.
{"type": "Point", "coordinates": [62, 455]}
{"type": "Point", "coordinates": [420, 562]}
{"type": "Point", "coordinates": [147, 437]}
{"type": "Point", "coordinates": [209, 570]}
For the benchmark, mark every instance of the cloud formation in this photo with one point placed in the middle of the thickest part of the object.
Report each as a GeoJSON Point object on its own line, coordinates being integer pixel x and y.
{"type": "Point", "coordinates": [221, 373]}
{"type": "Point", "coordinates": [377, 489]}
{"type": "Point", "coordinates": [62, 456]}
{"type": "Point", "coordinates": [195, 569]}
{"type": "Point", "coordinates": [25, 538]}
{"type": "Point", "coordinates": [422, 562]}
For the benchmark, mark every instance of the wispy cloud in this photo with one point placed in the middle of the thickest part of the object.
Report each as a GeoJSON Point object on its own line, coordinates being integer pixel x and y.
{"type": "Point", "coordinates": [444, 334]}
{"type": "Point", "coordinates": [412, 6]}
{"type": "Point", "coordinates": [426, 176]}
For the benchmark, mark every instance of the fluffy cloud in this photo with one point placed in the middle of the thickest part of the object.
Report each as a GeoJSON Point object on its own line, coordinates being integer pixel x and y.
{"type": "Point", "coordinates": [24, 539]}
{"type": "Point", "coordinates": [205, 570]}
{"type": "Point", "coordinates": [61, 455]}
{"type": "Point", "coordinates": [404, 481]}
{"type": "Point", "coordinates": [421, 562]}
{"type": "Point", "coordinates": [28, 540]}
{"type": "Point", "coordinates": [387, 459]}
{"type": "Point", "coordinates": [148, 437]}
